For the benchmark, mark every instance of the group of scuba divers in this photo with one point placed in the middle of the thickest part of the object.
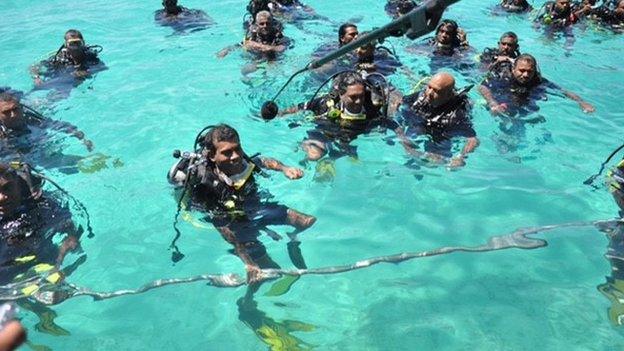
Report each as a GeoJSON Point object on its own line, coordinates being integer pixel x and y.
{"type": "Point", "coordinates": [217, 176]}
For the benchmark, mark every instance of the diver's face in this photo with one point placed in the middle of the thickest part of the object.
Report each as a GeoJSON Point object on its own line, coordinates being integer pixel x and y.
{"type": "Point", "coordinates": [10, 195]}
{"type": "Point", "coordinates": [353, 98]}
{"type": "Point", "coordinates": [619, 11]}
{"type": "Point", "coordinates": [11, 114]}
{"type": "Point", "coordinates": [350, 35]}
{"type": "Point", "coordinates": [445, 34]}
{"type": "Point", "coordinates": [562, 5]}
{"type": "Point", "coordinates": [437, 93]}
{"type": "Point", "coordinates": [264, 25]}
{"type": "Point", "coordinates": [507, 46]}
{"type": "Point", "coordinates": [524, 72]}
{"type": "Point", "coordinates": [75, 48]}
{"type": "Point", "coordinates": [228, 157]}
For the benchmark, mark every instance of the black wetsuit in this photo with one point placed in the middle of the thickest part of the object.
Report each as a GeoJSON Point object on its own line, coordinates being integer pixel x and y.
{"type": "Point", "coordinates": [29, 232]}
{"type": "Point", "coordinates": [606, 16]}
{"type": "Point", "coordinates": [33, 144]}
{"type": "Point", "coordinates": [396, 8]}
{"type": "Point", "coordinates": [337, 133]}
{"type": "Point", "coordinates": [440, 124]}
{"type": "Point", "coordinates": [550, 16]}
{"type": "Point", "coordinates": [245, 211]}
{"type": "Point", "coordinates": [185, 19]}
{"type": "Point", "coordinates": [497, 69]}
{"type": "Point", "coordinates": [520, 99]}
{"type": "Point", "coordinates": [515, 6]}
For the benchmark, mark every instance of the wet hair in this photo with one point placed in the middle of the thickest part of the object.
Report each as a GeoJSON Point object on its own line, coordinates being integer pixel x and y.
{"type": "Point", "coordinates": [8, 97]}
{"type": "Point", "coordinates": [218, 133]}
{"type": "Point", "coordinates": [346, 80]}
{"type": "Point", "coordinates": [526, 58]}
{"type": "Point", "coordinates": [263, 13]}
{"type": "Point", "coordinates": [170, 2]}
{"type": "Point", "coordinates": [342, 30]}
{"type": "Point", "coordinates": [73, 33]}
{"type": "Point", "coordinates": [511, 35]}
{"type": "Point", "coordinates": [447, 22]}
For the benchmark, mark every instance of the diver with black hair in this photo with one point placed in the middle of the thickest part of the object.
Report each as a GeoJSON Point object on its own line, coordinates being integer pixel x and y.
{"type": "Point", "coordinates": [559, 14]}
{"type": "Point", "coordinates": [515, 6]}
{"type": "Point", "coordinates": [440, 114]}
{"type": "Point", "coordinates": [290, 11]}
{"type": "Point", "coordinates": [219, 179]}
{"type": "Point", "coordinates": [373, 58]}
{"type": "Point", "coordinates": [31, 220]}
{"type": "Point", "coordinates": [181, 18]}
{"type": "Point", "coordinates": [398, 8]}
{"type": "Point", "coordinates": [611, 17]}
{"type": "Point", "coordinates": [448, 48]}
{"type": "Point", "coordinates": [354, 106]}
{"type": "Point", "coordinates": [24, 135]}
{"type": "Point", "coordinates": [498, 61]}
{"type": "Point", "coordinates": [74, 59]}
{"type": "Point", "coordinates": [518, 89]}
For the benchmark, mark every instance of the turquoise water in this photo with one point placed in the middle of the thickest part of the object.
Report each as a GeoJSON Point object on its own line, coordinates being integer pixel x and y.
{"type": "Point", "coordinates": [160, 89]}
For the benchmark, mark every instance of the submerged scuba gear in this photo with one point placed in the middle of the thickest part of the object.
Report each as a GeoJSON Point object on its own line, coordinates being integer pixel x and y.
{"type": "Point", "coordinates": [589, 181]}
{"type": "Point", "coordinates": [415, 24]}
{"type": "Point", "coordinates": [34, 182]}
{"type": "Point", "coordinates": [197, 165]}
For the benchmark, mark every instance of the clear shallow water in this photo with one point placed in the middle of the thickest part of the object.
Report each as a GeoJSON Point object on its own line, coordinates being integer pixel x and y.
{"type": "Point", "coordinates": [161, 89]}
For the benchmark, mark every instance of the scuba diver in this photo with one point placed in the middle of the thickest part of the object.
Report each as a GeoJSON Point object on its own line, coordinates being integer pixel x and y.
{"type": "Point", "coordinates": [290, 11]}
{"type": "Point", "coordinates": [372, 58]}
{"type": "Point", "coordinates": [612, 18]}
{"type": "Point", "coordinates": [398, 8]}
{"type": "Point", "coordinates": [347, 32]}
{"type": "Point", "coordinates": [23, 132]}
{"type": "Point", "coordinates": [264, 38]}
{"type": "Point", "coordinates": [354, 106]}
{"type": "Point", "coordinates": [560, 14]}
{"type": "Point", "coordinates": [517, 90]}
{"type": "Point", "coordinates": [31, 220]}
{"type": "Point", "coordinates": [181, 18]}
{"type": "Point", "coordinates": [72, 63]}
{"type": "Point", "coordinates": [219, 179]}
{"type": "Point", "coordinates": [448, 48]}
{"type": "Point", "coordinates": [439, 113]}
{"type": "Point", "coordinates": [613, 288]}
{"type": "Point", "coordinates": [498, 61]}
{"type": "Point", "coordinates": [515, 6]}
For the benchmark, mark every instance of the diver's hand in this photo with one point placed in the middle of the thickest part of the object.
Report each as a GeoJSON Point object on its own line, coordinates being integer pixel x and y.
{"type": "Point", "coordinates": [587, 107]}
{"type": "Point", "coordinates": [500, 59]}
{"type": "Point", "coordinates": [434, 158]}
{"type": "Point", "coordinates": [254, 274]}
{"type": "Point", "coordinates": [456, 162]}
{"type": "Point", "coordinates": [12, 336]}
{"type": "Point", "coordinates": [498, 109]}
{"type": "Point", "coordinates": [292, 172]}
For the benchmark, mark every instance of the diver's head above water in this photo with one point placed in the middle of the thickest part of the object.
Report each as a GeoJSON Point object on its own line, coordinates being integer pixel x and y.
{"type": "Point", "coordinates": [440, 90]}
{"type": "Point", "coordinates": [265, 24]}
{"type": "Point", "coordinates": [11, 112]}
{"type": "Point", "coordinates": [525, 70]}
{"type": "Point", "coordinates": [347, 33]}
{"type": "Point", "coordinates": [352, 92]}
{"type": "Point", "coordinates": [75, 46]}
{"type": "Point", "coordinates": [508, 44]}
{"type": "Point", "coordinates": [446, 33]}
{"type": "Point", "coordinates": [366, 53]}
{"type": "Point", "coordinates": [222, 146]}
{"type": "Point", "coordinates": [562, 7]}
{"type": "Point", "coordinates": [171, 7]}
{"type": "Point", "coordinates": [619, 10]}
{"type": "Point", "coordinates": [12, 195]}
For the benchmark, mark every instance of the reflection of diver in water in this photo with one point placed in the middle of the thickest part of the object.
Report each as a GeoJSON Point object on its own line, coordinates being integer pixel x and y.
{"type": "Point", "coordinates": [277, 335]}
{"type": "Point", "coordinates": [30, 261]}
{"type": "Point", "coordinates": [613, 288]}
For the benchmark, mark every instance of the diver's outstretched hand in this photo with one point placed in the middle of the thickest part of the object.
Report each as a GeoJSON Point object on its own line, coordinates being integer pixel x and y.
{"type": "Point", "coordinates": [293, 173]}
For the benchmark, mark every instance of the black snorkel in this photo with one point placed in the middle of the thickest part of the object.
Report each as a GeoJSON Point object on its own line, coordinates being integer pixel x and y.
{"type": "Point", "coordinates": [418, 22]}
